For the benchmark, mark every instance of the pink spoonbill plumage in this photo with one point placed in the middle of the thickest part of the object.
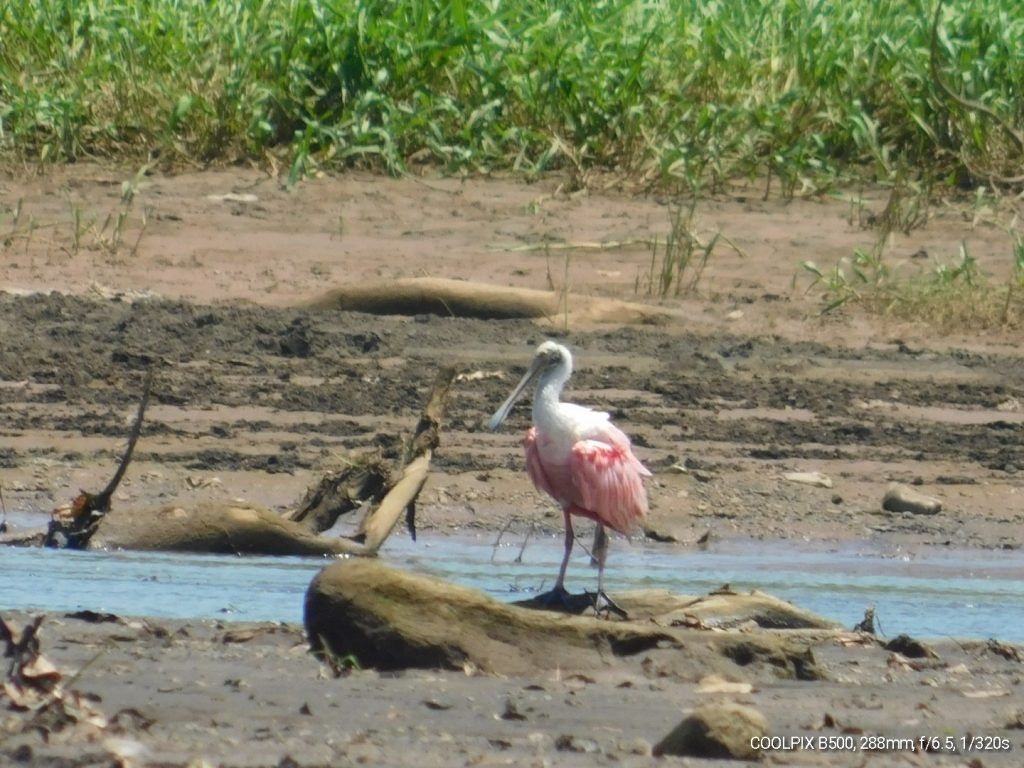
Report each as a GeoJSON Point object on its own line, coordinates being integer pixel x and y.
{"type": "Point", "coordinates": [577, 456]}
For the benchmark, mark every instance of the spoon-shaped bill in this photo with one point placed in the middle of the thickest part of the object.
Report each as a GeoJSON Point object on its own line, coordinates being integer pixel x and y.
{"type": "Point", "coordinates": [502, 413]}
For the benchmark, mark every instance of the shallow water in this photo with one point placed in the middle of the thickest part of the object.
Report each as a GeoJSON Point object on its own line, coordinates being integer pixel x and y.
{"type": "Point", "coordinates": [958, 593]}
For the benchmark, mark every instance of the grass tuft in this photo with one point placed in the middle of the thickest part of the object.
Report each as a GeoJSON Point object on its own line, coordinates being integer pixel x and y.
{"type": "Point", "coordinates": [678, 262]}
{"type": "Point", "coordinates": [954, 295]}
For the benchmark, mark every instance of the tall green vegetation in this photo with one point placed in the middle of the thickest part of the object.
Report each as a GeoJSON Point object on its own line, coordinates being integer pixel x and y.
{"type": "Point", "coordinates": [797, 92]}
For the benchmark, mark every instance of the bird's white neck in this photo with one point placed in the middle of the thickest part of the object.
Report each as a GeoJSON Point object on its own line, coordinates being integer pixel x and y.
{"type": "Point", "coordinates": [549, 389]}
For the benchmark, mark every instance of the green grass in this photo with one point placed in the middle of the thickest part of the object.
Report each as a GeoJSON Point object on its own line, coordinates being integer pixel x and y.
{"type": "Point", "coordinates": [689, 93]}
{"type": "Point", "coordinates": [678, 261]}
{"type": "Point", "coordinates": [951, 296]}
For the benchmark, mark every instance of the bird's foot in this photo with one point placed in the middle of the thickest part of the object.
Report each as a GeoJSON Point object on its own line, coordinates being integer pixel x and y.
{"type": "Point", "coordinates": [557, 599]}
{"type": "Point", "coordinates": [604, 605]}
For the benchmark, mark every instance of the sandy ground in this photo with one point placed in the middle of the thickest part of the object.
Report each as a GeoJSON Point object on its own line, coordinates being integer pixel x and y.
{"type": "Point", "coordinates": [205, 278]}
{"type": "Point", "coordinates": [205, 693]}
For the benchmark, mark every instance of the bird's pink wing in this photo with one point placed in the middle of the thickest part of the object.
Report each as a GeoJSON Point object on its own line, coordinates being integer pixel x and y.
{"type": "Point", "coordinates": [534, 465]}
{"type": "Point", "coordinates": [609, 481]}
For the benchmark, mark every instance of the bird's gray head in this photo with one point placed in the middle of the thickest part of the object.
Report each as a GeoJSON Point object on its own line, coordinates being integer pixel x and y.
{"type": "Point", "coordinates": [550, 360]}
{"type": "Point", "coordinates": [552, 355]}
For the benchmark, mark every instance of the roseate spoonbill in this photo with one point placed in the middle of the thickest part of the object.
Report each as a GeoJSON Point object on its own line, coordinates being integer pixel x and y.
{"type": "Point", "coordinates": [578, 457]}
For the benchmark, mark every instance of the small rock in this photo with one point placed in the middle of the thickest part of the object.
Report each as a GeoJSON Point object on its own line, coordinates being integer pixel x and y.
{"type": "Point", "coordinates": [568, 743]}
{"type": "Point", "coordinates": [817, 479]}
{"type": "Point", "coordinates": [907, 646]}
{"type": "Point", "coordinates": [22, 754]}
{"type": "Point", "coordinates": [901, 498]}
{"type": "Point", "coordinates": [720, 730]}
{"type": "Point", "coordinates": [233, 197]}
{"type": "Point", "coordinates": [635, 747]}
{"type": "Point", "coordinates": [127, 751]}
{"type": "Point", "coordinates": [511, 711]}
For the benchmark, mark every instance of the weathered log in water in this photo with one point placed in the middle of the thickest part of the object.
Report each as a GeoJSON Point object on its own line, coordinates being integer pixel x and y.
{"type": "Point", "coordinates": [245, 528]}
{"type": "Point", "coordinates": [390, 619]}
{"type": "Point", "coordinates": [215, 527]}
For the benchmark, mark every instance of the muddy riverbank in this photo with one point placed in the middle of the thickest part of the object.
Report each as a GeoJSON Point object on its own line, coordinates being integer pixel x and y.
{"type": "Point", "coordinates": [255, 397]}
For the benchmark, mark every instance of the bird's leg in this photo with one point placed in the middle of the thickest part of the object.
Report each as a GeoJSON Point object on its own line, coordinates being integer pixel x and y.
{"type": "Point", "coordinates": [599, 549]}
{"type": "Point", "coordinates": [570, 539]}
{"type": "Point", "coordinates": [558, 594]}
{"type": "Point", "coordinates": [600, 553]}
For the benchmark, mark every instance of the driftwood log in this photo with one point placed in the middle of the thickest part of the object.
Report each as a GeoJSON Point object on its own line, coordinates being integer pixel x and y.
{"type": "Point", "coordinates": [215, 527]}
{"type": "Point", "coordinates": [391, 619]}
{"type": "Point", "coordinates": [461, 298]}
{"type": "Point", "coordinates": [243, 528]}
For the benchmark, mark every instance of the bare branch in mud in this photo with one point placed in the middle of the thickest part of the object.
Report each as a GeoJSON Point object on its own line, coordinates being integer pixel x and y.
{"type": "Point", "coordinates": [372, 480]}
{"type": "Point", "coordinates": [338, 493]}
{"type": "Point", "coordinates": [75, 527]}
{"type": "Point", "coordinates": [522, 547]}
{"type": "Point", "coordinates": [243, 528]}
{"type": "Point", "coordinates": [426, 437]}
{"type": "Point", "coordinates": [101, 501]}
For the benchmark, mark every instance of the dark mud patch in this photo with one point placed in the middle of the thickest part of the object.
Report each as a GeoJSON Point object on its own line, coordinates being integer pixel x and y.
{"type": "Point", "coordinates": [251, 389]}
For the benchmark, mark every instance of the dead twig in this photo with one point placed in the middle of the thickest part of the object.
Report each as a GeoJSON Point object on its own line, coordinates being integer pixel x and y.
{"type": "Point", "coordinates": [522, 547]}
{"type": "Point", "coordinates": [526, 538]}
{"type": "Point", "coordinates": [497, 541]}
{"type": "Point", "coordinates": [73, 527]}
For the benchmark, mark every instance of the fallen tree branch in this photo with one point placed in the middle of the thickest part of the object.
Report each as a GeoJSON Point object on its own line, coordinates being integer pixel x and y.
{"type": "Point", "coordinates": [577, 245]}
{"type": "Point", "coordinates": [101, 501]}
{"type": "Point", "coordinates": [243, 528]}
{"type": "Point", "coordinates": [338, 493]}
